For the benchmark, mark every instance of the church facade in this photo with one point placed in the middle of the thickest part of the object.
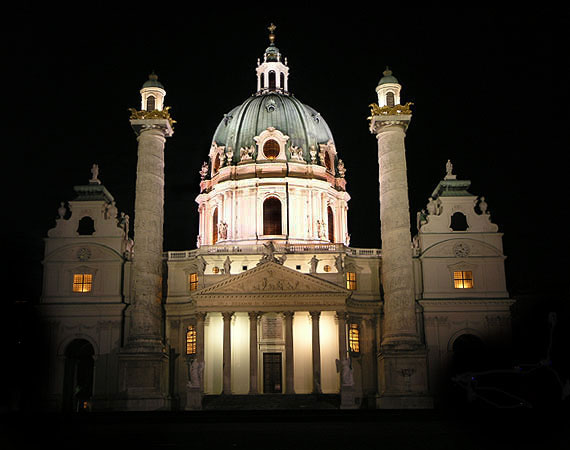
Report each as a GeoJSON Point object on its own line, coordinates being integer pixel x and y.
{"type": "Point", "coordinates": [273, 300]}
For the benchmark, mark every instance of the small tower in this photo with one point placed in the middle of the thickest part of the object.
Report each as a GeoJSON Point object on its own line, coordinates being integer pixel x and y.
{"type": "Point", "coordinates": [152, 94]}
{"type": "Point", "coordinates": [273, 73]}
{"type": "Point", "coordinates": [388, 90]}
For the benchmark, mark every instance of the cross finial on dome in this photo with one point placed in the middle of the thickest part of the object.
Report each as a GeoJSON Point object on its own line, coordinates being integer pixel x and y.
{"type": "Point", "coordinates": [271, 29]}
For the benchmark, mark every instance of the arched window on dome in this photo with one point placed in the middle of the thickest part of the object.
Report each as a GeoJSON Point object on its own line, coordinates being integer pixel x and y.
{"type": "Point", "coordinates": [216, 164]}
{"type": "Point", "coordinates": [150, 103]}
{"type": "Point", "coordinates": [390, 99]}
{"type": "Point", "coordinates": [272, 79]}
{"type": "Point", "coordinates": [330, 218]}
{"type": "Point", "coordinates": [215, 226]}
{"type": "Point", "coordinates": [272, 216]}
{"type": "Point", "coordinates": [328, 162]}
{"type": "Point", "coordinates": [271, 149]}
{"type": "Point", "coordinates": [282, 80]}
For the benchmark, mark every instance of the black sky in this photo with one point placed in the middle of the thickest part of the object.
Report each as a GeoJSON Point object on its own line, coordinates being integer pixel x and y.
{"type": "Point", "coordinates": [489, 89]}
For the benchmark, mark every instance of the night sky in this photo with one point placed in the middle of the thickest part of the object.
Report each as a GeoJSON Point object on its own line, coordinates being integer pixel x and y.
{"type": "Point", "coordinates": [489, 89]}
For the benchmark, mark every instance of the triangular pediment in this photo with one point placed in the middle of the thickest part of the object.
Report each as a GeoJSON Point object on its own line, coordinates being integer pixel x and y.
{"type": "Point", "coordinates": [272, 278]}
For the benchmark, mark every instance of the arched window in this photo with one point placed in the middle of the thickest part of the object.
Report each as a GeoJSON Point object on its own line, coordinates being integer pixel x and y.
{"type": "Point", "coordinates": [150, 103]}
{"type": "Point", "coordinates": [272, 80]}
{"type": "Point", "coordinates": [458, 222]}
{"type": "Point", "coordinates": [282, 80]}
{"type": "Point", "coordinates": [354, 338]}
{"type": "Point", "coordinates": [328, 163]}
{"type": "Point", "coordinates": [330, 218]}
{"type": "Point", "coordinates": [272, 216]}
{"type": "Point", "coordinates": [216, 165]}
{"type": "Point", "coordinates": [215, 226]}
{"type": "Point", "coordinates": [262, 83]}
{"type": "Point", "coordinates": [271, 149]}
{"type": "Point", "coordinates": [86, 226]}
{"type": "Point", "coordinates": [390, 99]}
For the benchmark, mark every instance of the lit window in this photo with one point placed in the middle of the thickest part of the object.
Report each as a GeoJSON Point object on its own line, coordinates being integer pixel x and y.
{"type": "Point", "coordinates": [271, 149]}
{"type": "Point", "coordinates": [193, 281]}
{"type": "Point", "coordinates": [215, 226]}
{"type": "Point", "coordinates": [191, 340]}
{"type": "Point", "coordinates": [150, 103]}
{"type": "Point", "coordinates": [330, 217]}
{"type": "Point", "coordinates": [463, 279]}
{"type": "Point", "coordinates": [351, 280]}
{"type": "Point", "coordinates": [82, 282]}
{"type": "Point", "coordinates": [390, 99]}
{"type": "Point", "coordinates": [354, 338]}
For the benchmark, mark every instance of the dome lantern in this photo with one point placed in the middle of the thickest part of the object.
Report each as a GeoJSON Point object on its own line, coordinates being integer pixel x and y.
{"type": "Point", "coordinates": [272, 73]}
{"type": "Point", "coordinates": [152, 94]}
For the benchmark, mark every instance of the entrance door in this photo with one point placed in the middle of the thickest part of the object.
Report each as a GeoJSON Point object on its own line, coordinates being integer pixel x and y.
{"type": "Point", "coordinates": [272, 373]}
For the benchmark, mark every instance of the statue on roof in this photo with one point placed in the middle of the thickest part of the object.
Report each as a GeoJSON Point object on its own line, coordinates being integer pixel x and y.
{"type": "Point", "coordinates": [449, 171]}
{"type": "Point", "coordinates": [94, 175]}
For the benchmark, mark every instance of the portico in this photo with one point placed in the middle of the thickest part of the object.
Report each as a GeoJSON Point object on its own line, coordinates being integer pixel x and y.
{"type": "Point", "coordinates": [271, 330]}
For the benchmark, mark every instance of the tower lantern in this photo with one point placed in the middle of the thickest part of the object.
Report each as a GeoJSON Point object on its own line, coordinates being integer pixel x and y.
{"type": "Point", "coordinates": [388, 90]}
{"type": "Point", "coordinates": [152, 94]}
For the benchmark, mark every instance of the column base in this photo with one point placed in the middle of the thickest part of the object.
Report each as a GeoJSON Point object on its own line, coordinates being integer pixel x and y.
{"type": "Point", "coordinates": [143, 380]}
{"type": "Point", "coordinates": [403, 379]}
{"type": "Point", "coordinates": [348, 397]}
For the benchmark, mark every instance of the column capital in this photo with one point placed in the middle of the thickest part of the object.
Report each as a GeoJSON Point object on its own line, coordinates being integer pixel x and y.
{"type": "Point", "coordinates": [227, 315]}
{"type": "Point", "coordinates": [315, 314]}
{"type": "Point", "coordinates": [254, 315]}
{"type": "Point", "coordinates": [288, 314]}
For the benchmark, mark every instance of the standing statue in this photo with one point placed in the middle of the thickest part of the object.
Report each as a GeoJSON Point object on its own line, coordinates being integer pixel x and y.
{"type": "Point", "coordinates": [483, 206]}
{"type": "Point", "coordinates": [94, 175]}
{"type": "Point", "coordinates": [195, 373]}
{"type": "Point", "coordinates": [62, 210]}
{"type": "Point", "coordinates": [227, 265]}
{"type": "Point", "coordinates": [338, 263]}
{"type": "Point", "coordinates": [204, 170]}
{"type": "Point", "coordinates": [345, 369]}
{"type": "Point", "coordinates": [313, 262]}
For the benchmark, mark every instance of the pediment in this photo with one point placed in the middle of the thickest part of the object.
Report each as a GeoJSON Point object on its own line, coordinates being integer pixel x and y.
{"type": "Point", "coordinates": [272, 278]}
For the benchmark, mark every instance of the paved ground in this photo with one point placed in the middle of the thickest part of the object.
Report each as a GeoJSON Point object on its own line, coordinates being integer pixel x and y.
{"type": "Point", "coordinates": [276, 430]}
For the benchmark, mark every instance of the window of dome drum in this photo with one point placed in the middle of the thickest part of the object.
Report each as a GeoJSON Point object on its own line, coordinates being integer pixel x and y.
{"type": "Point", "coordinates": [271, 149]}
{"type": "Point", "coordinates": [330, 217]}
{"type": "Point", "coordinates": [216, 269]}
{"type": "Point", "coordinates": [150, 103]}
{"type": "Point", "coordinates": [328, 163]}
{"type": "Point", "coordinates": [463, 279]}
{"type": "Point", "coordinates": [272, 216]}
{"type": "Point", "coordinates": [327, 268]}
{"type": "Point", "coordinates": [351, 280]}
{"type": "Point", "coordinates": [193, 281]}
{"type": "Point", "coordinates": [272, 80]}
{"type": "Point", "coordinates": [82, 282]}
{"type": "Point", "coordinates": [191, 340]}
{"type": "Point", "coordinates": [216, 164]}
{"type": "Point", "coordinates": [354, 338]}
{"type": "Point", "coordinates": [215, 226]}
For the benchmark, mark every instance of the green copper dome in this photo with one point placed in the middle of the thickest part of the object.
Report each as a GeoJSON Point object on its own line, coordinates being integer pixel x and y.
{"type": "Point", "coordinates": [153, 82]}
{"type": "Point", "coordinates": [304, 126]}
{"type": "Point", "coordinates": [387, 78]}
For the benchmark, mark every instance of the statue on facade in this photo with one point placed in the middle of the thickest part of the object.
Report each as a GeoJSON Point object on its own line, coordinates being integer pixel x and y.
{"type": "Point", "coordinates": [313, 262]}
{"type": "Point", "coordinates": [268, 252]}
{"type": "Point", "coordinates": [223, 230]}
{"type": "Point", "coordinates": [111, 211]}
{"type": "Point", "coordinates": [204, 170]}
{"type": "Point", "coordinates": [483, 206]}
{"type": "Point", "coordinates": [124, 223]}
{"type": "Point", "coordinates": [313, 154]}
{"type": "Point", "coordinates": [433, 206]}
{"type": "Point", "coordinates": [195, 373]}
{"type": "Point", "coordinates": [341, 169]}
{"type": "Point", "coordinates": [338, 264]}
{"type": "Point", "coordinates": [227, 265]}
{"type": "Point", "coordinates": [296, 153]}
{"type": "Point", "coordinates": [246, 153]}
{"type": "Point", "coordinates": [449, 171]}
{"type": "Point", "coordinates": [345, 369]}
{"type": "Point", "coordinates": [94, 175]}
{"type": "Point", "coordinates": [201, 264]}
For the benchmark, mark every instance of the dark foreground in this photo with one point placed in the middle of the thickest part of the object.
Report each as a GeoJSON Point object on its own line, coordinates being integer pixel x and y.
{"type": "Point", "coordinates": [276, 430]}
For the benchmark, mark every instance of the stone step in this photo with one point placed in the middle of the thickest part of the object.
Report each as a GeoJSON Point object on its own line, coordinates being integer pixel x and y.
{"type": "Point", "coordinates": [271, 401]}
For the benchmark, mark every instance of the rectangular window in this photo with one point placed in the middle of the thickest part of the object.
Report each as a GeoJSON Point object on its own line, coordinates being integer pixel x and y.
{"type": "Point", "coordinates": [193, 281]}
{"type": "Point", "coordinates": [463, 279]}
{"type": "Point", "coordinates": [191, 340]}
{"type": "Point", "coordinates": [351, 280]}
{"type": "Point", "coordinates": [354, 338]}
{"type": "Point", "coordinates": [82, 282]}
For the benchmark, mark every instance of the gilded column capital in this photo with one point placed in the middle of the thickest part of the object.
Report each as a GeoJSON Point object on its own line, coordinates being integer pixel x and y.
{"type": "Point", "coordinates": [152, 120]}
{"type": "Point", "coordinates": [385, 116]}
